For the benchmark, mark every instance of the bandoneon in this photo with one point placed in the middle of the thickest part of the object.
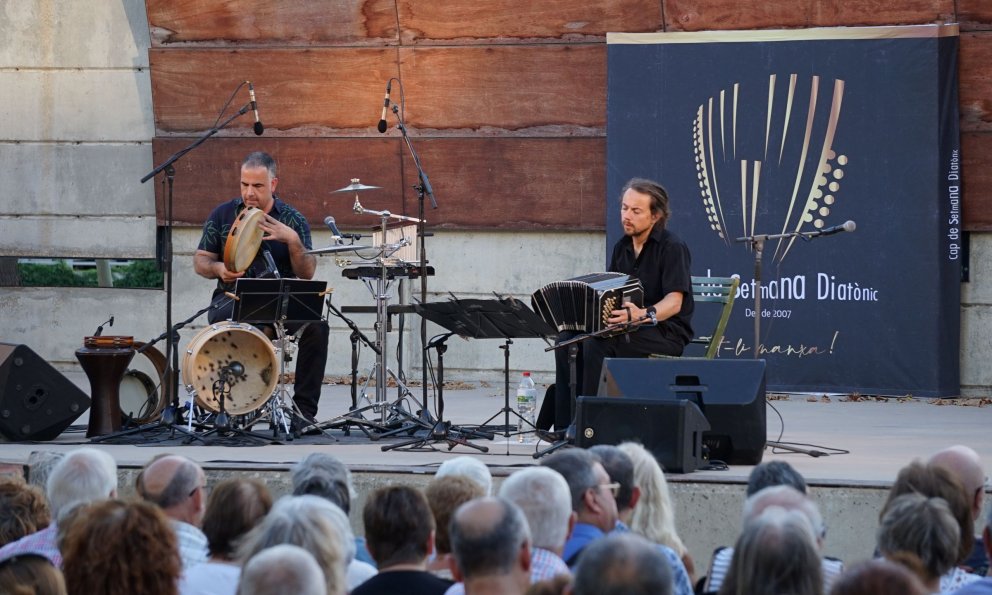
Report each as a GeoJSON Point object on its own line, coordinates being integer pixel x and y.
{"type": "Point", "coordinates": [583, 304]}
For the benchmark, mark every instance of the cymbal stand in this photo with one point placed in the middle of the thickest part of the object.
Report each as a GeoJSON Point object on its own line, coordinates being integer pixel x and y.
{"type": "Point", "coordinates": [380, 291]}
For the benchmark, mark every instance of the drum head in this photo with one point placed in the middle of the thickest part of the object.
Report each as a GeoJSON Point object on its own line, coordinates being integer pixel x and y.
{"type": "Point", "coordinates": [142, 391]}
{"type": "Point", "coordinates": [244, 240]}
{"type": "Point", "coordinates": [221, 344]}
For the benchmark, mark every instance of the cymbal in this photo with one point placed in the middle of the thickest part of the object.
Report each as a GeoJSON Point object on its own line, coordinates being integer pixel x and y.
{"type": "Point", "coordinates": [339, 248]}
{"type": "Point", "coordinates": [355, 186]}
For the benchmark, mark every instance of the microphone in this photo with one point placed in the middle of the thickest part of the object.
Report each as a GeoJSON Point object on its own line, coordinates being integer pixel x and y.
{"type": "Point", "coordinates": [99, 329]}
{"type": "Point", "coordinates": [259, 129]}
{"type": "Point", "coordinates": [271, 263]}
{"type": "Point", "coordinates": [846, 226]}
{"type": "Point", "coordinates": [236, 368]}
{"type": "Point", "coordinates": [385, 106]}
{"type": "Point", "coordinates": [335, 232]}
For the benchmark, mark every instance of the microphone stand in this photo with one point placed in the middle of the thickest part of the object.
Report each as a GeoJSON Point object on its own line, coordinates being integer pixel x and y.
{"type": "Point", "coordinates": [172, 350]}
{"type": "Point", "coordinates": [423, 189]}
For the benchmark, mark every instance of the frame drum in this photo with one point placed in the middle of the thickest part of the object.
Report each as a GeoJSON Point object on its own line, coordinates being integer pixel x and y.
{"type": "Point", "coordinates": [142, 389]}
{"type": "Point", "coordinates": [244, 240]}
{"type": "Point", "coordinates": [221, 344]}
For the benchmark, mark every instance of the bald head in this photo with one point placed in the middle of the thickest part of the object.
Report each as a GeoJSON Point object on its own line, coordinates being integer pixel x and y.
{"type": "Point", "coordinates": [965, 464]}
{"type": "Point", "coordinates": [489, 537]}
{"type": "Point", "coordinates": [175, 484]}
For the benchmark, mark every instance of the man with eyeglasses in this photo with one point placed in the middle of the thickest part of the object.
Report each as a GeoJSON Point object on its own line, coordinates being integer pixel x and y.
{"type": "Point", "coordinates": [178, 485]}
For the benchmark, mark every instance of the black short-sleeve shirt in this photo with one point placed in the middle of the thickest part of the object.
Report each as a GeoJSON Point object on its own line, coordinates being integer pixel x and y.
{"type": "Point", "coordinates": [663, 266]}
{"type": "Point", "coordinates": [221, 219]}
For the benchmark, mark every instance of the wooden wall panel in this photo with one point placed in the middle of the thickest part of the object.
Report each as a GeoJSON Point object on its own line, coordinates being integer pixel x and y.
{"type": "Point", "coordinates": [300, 91]}
{"type": "Point", "coordinates": [976, 165]}
{"type": "Point", "coordinates": [513, 183]}
{"type": "Point", "coordinates": [975, 81]}
{"type": "Point", "coordinates": [260, 22]}
{"type": "Point", "coordinates": [975, 15]}
{"type": "Point", "coordinates": [511, 21]}
{"type": "Point", "coordinates": [309, 170]}
{"type": "Point", "coordinates": [552, 90]}
{"type": "Point", "coordinates": [699, 15]}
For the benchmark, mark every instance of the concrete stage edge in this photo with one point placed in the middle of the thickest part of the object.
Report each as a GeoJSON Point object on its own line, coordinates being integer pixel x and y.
{"type": "Point", "coordinates": [881, 436]}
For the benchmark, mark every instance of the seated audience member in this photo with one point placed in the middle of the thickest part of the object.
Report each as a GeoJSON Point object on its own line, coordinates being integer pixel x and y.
{"type": "Point", "coordinates": [654, 516]}
{"type": "Point", "coordinates": [323, 475]}
{"type": "Point", "coordinates": [774, 473]}
{"type": "Point", "coordinates": [543, 496]}
{"type": "Point", "coordinates": [925, 528]}
{"type": "Point", "coordinates": [399, 530]}
{"type": "Point", "coordinates": [114, 547]}
{"type": "Point", "coordinates": [469, 467]}
{"type": "Point", "coordinates": [444, 496]}
{"type": "Point", "coordinates": [30, 574]}
{"type": "Point", "coordinates": [622, 564]}
{"type": "Point", "coordinates": [82, 476]}
{"type": "Point", "coordinates": [983, 586]}
{"type": "Point", "coordinates": [490, 543]}
{"type": "Point", "coordinates": [776, 553]}
{"type": "Point", "coordinates": [934, 481]}
{"type": "Point", "coordinates": [23, 509]}
{"type": "Point", "coordinates": [789, 498]}
{"type": "Point", "coordinates": [307, 522]}
{"type": "Point", "coordinates": [356, 571]}
{"type": "Point", "coordinates": [965, 464]}
{"type": "Point", "coordinates": [878, 577]}
{"type": "Point", "coordinates": [558, 585]}
{"type": "Point", "coordinates": [40, 465]}
{"type": "Point", "coordinates": [234, 507]}
{"type": "Point", "coordinates": [280, 570]}
{"type": "Point", "coordinates": [620, 468]}
{"type": "Point", "coordinates": [178, 486]}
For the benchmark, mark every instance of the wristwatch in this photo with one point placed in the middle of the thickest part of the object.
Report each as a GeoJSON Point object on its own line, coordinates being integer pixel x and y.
{"type": "Point", "coordinates": [651, 312]}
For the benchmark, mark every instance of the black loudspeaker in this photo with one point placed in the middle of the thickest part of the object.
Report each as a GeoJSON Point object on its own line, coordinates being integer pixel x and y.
{"type": "Point", "coordinates": [36, 401]}
{"type": "Point", "coordinates": [671, 430]}
{"type": "Point", "coordinates": [729, 392]}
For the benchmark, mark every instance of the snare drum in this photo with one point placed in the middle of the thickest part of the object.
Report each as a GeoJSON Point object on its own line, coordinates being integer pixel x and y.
{"type": "Point", "coordinates": [244, 240]}
{"type": "Point", "coordinates": [221, 344]}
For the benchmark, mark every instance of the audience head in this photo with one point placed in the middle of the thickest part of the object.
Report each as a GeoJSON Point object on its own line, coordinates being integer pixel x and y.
{"type": "Point", "coordinates": [281, 569]}
{"type": "Point", "coordinates": [776, 553]}
{"type": "Point", "coordinates": [621, 470]}
{"type": "Point", "coordinates": [305, 521]}
{"type": "Point", "coordinates": [175, 484]}
{"type": "Point", "coordinates": [542, 495]}
{"type": "Point", "coordinates": [30, 574]}
{"type": "Point", "coordinates": [878, 577]}
{"type": "Point", "coordinates": [622, 564]}
{"type": "Point", "coordinates": [469, 467]}
{"type": "Point", "coordinates": [23, 509]}
{"type": "Point", "coordinates": [588, 484]}
{"type": "Point", "coordinates": [934, 481]}
{"type": "Point", "coordinates": [322, 475]}
{"type": "Point", "coordinates": [445, 495]}
{"type": "Point", "coordinates": [234, 507]}
{"type": "Point", "coordinates": [787, 498]}
{"type": "Point", "coordinates": [120, 548]}
{"type": "Point", "coordinates": [924, 527]}
{"type": "Point", "coordinates": [490, 539]}
{"type": "Point", "coordinates": [774, 473]}
{"type": "Point", "coordinates": [654, 515]}
{"type": "Point", "coordinates": [40, 465]}
{"type": "Point", "coordinates": [83, 475]}
{"type": "Point", "coordinates": [399, 527]}
{"type": "Point", "coordinates": [965, 464]}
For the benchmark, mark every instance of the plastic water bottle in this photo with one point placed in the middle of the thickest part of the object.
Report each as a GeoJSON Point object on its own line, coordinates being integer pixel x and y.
{"type": "Point", "coordinates": [526, 407]}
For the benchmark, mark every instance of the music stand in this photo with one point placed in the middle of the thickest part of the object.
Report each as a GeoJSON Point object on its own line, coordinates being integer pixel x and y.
{"type": "Point", "coordinates": [505, 318]}
{"type": "Point", "coordinates": [279, 302]}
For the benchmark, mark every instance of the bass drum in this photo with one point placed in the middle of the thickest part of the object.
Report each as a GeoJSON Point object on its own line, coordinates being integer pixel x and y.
{"type": "Point", "coordinates": [142, 390]}
{"type": "Point", "coordinates": [220, 345]}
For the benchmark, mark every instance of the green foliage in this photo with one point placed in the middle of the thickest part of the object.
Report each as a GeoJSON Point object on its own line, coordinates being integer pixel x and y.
{"type": "Point", "coordinates": [140, 273]}
{"type": "Point", "coordinates": [136, 274]}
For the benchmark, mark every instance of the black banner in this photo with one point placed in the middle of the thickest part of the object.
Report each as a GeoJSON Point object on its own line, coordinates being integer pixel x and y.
{"type": "Point", "coordinates": [770, 133]}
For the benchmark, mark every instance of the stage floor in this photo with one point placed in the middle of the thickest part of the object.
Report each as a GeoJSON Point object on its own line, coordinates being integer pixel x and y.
{"type": "Point", "coordinates": [880, 436]}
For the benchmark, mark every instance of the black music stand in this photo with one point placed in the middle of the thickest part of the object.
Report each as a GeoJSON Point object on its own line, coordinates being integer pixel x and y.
{"type": "Point", "coordinates": [279, 302]}
{"type": "Point", "coordinates": [505, 318]}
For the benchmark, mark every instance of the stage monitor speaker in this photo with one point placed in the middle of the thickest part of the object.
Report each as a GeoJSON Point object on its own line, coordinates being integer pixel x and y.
{"type": "Point", "coordinates": [671, 430]}
{"type": "Point", "coordinates": [729, 392]}
{"type": "Point", "coordinates": [36, 401]}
